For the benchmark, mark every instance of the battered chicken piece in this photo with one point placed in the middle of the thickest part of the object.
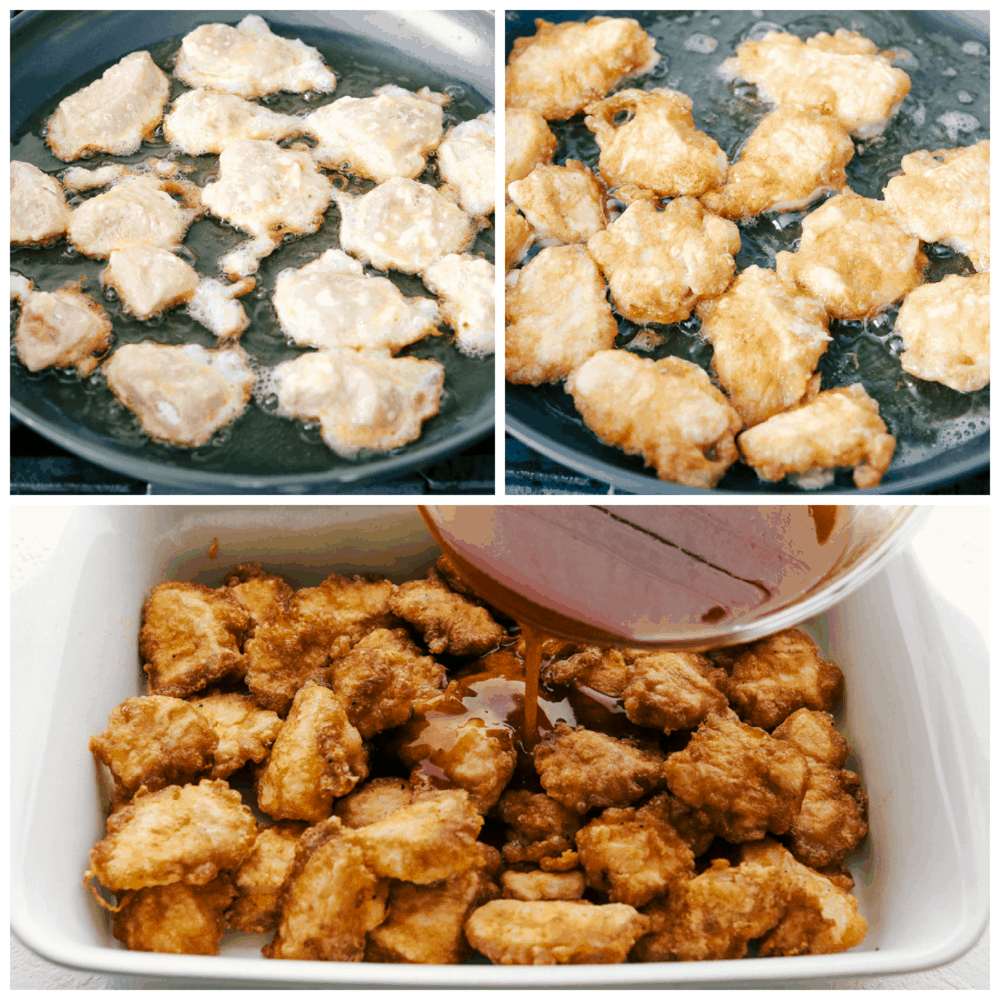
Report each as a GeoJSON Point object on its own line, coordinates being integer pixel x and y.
{"type": "Point", "coordinates": [388, 135]}
{"type": "Point", "coordinates": [260, 879]}
{"type": "Point", "coordinates": [249, 60]}
{"type": "Point", "coordinates": [583, 769]}
{"type": "Point", "coordinates": [351, 606]}
{"type": "Point", "coordinates": [554, 932]}
{"type": "Point", "coordinates": [330, 303]}
{"type": "Point", "coordinates": [666, 411]}
{"type": "Point", "coordinates": [672, 691]}
{"type": "Point", "coordinates": [768, 338]}
{"type": "Point", "coordinates": [944, 197]}
{"type": "Point", "coordinates": [214, 305]}
{"type": "Point", "coordinates": [190, 636]}
{"type": "Point", "coordinates": [659, 264]}
{"type": "Point", "coordinates": [687, 823]}
{"type": "Point", "coordinates": [657, 146]}
{"type": "Point", "coordinates": [181, 395]}
{"type": "Point", "coordinates": [558, 316]}
{"type": "Point", "coordinates": [113, 114]}
{"type": "Point", "coordinates": [362, 399]}
{"type": "Point", "coordinates": [183, 834]}
{"type": "Point", "coordinates": [814, 735]}
{"type": "Point", "coordinates": [466, 287]}
{"type": "Point", "coordinates": [741, 782]}
{"type": "Point", "coordinates": [840, 427]}
{"type": "Point", "coordinates": [38, 210]}
{"type": "Point", "coordinates": [244, 731]}
{"type": "Point", "coordinates": [373, 801]}
{"type": "Point", "coordinates": [149, 280]}
{"type": "Point", "coordinates": [265, 595]}
{"type": "Point", "coordinates": [466, 159]}
{"type": "Point", "coordinates": [528, 143]}
{"type": "Point", "coordinates": [563, 204]}
{"type": "Point", "coordinates": [854, 258]}
{"type": "Point", "coordinates": [176, 919]}
{"type": "Point", "coordinates": [841, 75]}
{"type": "Point", "coordinates": [518, 236]}
{"type": "Point", "coordinates": [945, 329]}
{"type": "Point", "coordinates": [60, 329]}
{"type": "Point", "coordinates": [537, 826]}
{"type": "Point", "coordinates": [563, 67]}
{"type": "Point", "coordinates": [317, 756]}
{"type": "Point", "coordinates": [794, 156]}
{"type": "Point", "coordinates": [402, 224]}
{"type": "Point", "coordinates": [154, 741]}
{"type": "Point", "coordinates": [602, 670]}
{"type": "Point", "coordinates": [538, 885]}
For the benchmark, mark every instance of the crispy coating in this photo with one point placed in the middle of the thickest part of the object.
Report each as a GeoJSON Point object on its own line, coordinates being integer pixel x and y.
{"type": "Point", "coordinates": [945, 329]}
{"type": "Point", "coordinates": [768, 337]}
{"type": "Point", "coordinates": [542, 885]}
{"type": "Point", "coordinates": [840, 427]}
{"type": "Point", "coordinates": [262, 876]}
{"type": "Point", "coordinates": [583, 769]}
{"type": "Point", "coordinates": [38, 210]}
{"type": "Point", "coordinates": [671, 691]}
{"type": "Point", "coordinates": [264, 595]}
{"type": "Point", "coordinates": [190, 637]}
{"type": "Point", "coordinates": [537, 826]}
{"type": "Point", "coordinates": [554, 932]}
{"type": "Point", "coordinates": [466, 160]}
{"type": "Point", "coordinates": [814, 735]}
{"type": "Point", "coordinates": [350, 606]}
{"type": "Point", "coordinates": [518, 236]}
{"type": "Point", "coordinates": [465, 287]}
{"type": "Point", "coordinates": [741, 782]}
{"type": "Point", "coordinates": [660, 263]}
{"type": "Point", "coordinates": [317, 756]}
{"type": "Point", "coordinates": [177, 919]}
{"type": "Point", "coordinates": [656, 147]}
{"type": "Point", "coordinates": [179, 834]}
{"type": "Point", "coordinates": [603, 670]}
{"type": "Point", "coordinates": [528, 143]}
{"type": "Point", "coordinates": [558, 315]}
{"type": "Point", "coordinates": [666, 411]}
{"type": "Point", "coordinates": [448, 622]}
{"type": "Point", "coordinates": [563, 67]}
{"type": "Point", "coordinates": [244, 731]}
{"type": "Point", "coordinates": [563, 204]}
{"type": "Point", "coordinates": [373, 801]}
{"type": "Point", "coordinates": [149, 280]}
{"type": "Point", "coordinates": [689, 824]}
{"type": "Point", "coordinates": [854, 257]}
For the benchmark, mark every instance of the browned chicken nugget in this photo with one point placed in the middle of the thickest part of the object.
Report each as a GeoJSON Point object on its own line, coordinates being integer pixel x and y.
{"type": "Point", "coordinates": [671, 691]}
{"type": "Point", "coordinates": [537, 826]}
{"type": "Point", "coordinates": [265, 595]}
{"type": "Point", "coordinates": [352, 606]}
{"type": "Point", "coordinates": [244, 731]}
{"type": "Point", "coordinates": [741, 782]}
{"type": "Point", "coordinates": [317, 756]}
{"type": "Point", "coordinates": [687, 822]}
{"type": "Point", "coordinates": [154, 741]}
{"type": "Point", "coordinates": [542, 885]}
{"type": "Point", "coordinates": [373, 801]}
{"type": "Point", "coordinates": [564, 204]}
{"type": "Point", "coordinates": [518, 236]}
{"type": "Point", "coordinates": [602, 670]}
{"type": "Point", "coordinates": [583, 769]}
{"type": "Point", "coordinates": [260, 879]}
{"type": "Point", "coordinates": [178, 919]}
{"type": "Point", "coordinates": [190, 637]}
{"type": "Point", "coordinates": [528, 142]}
{"type": "Point", "coordinates": [813, 734]}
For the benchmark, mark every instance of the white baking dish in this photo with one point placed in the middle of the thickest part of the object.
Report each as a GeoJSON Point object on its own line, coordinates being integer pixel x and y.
{"type": "Point", "coordinates": [921, 878]}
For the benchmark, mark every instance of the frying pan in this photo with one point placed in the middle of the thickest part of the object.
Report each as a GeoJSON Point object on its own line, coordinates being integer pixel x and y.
{"type": "Point", "coordinates": [545, 419]}
{"type": "Point", "coordinates": [55, 53]}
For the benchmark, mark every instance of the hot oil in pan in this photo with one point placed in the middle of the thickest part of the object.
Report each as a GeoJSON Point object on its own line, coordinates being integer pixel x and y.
{"type": "Point", "coordinates": [257, 443]}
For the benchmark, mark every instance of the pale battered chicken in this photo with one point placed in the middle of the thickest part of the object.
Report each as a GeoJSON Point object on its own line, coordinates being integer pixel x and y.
{"type": "Point", "coordinates": [330, 302]}
{"type": "Point", "coordinates": [149, 280]}
{"type": "Point", "coordinates": [566, 204]}
{"type": "Point", "coordinates": [466, 160]}
{"type": "Point", "coordinates": [214, 306]}
{"type": "Point", "coordinates": [535, 885]}
{"type": "Point", "coordinates": [465, 286]}
{"type": "Point", "coordinates": [518, 236]}
{"type": "Point", "coordinates": [944, 197]}
{"type": "Point", "coordinates": [768, 338]}
{"type": "Point", "coordinates": [113, 114]}
{"type": "Point", "coordinates": [854, 257]}
{"type": "Point", "coordinates": [841, 75]}
{"type": "Point", "coordinates": [668, 412]}
{"type": "Point", "coordinates": [671, 691]}
{"type": "Point", "coordinates": [38, 211]}
{"type": "Point", "coordinates": [260, 879]}
{"type": "Point", "coordinates": [656, 147]}
{"type": "Point", "coordinates": [362, 399]}
{"type": "Point", "coordinates": [538, 827]}
{"type": "Point", "coordinates": [558, 315]}
{"type": "Point", "coordinates": [564, 67]}
{"type": "Point", "coordinates": [181, 395]}
{"type": "Point", "coordinates": [945, 329]}
{"type": "Point", "coordinates": [794, 156]}
{"type": "Point", "coordinates": [244, 731]}
{"type": "Point", "coordinates": [528, 143]}
{"type": "Point", "coordinates": [660, 263]}
{"type": "Point", "coordinates": [840, 427]}
{"type": "Point", "coordinates": [249, 60]}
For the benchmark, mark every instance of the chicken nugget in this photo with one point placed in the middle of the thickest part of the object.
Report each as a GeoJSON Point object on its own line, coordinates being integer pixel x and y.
{"type": "Point", "coordinates": [671, 691]}
{"type": "Point", "coordinates": [537, 826]}
{"type": "Point", "coordinates": [262, 876]}
{"type": "Point", "coordinates": [373, 801]}
{"type": "Point", "coordinates": [518, 236]}
{"type": "Point", "coordinates": [528, 143]}
{"type": "Point", "coordinates": [38, 210]}
{"type": "Point", "coordinates": [814, 735]}
{"type": "Point", "coordinates": [602, 670]}
{"type": "Point", "coordinates": [564, 204]}
{"type": "Point", "coordinates": [832, 819]}
{"type": "Point", "coordinates": [244, 731]}
{"type": "Point", "coordinates": [265, 595]}
{"type": "Point", "coordinates": [352, 606]}
{"type": "Point", "coordinates": [537, 885]}
{"type": "Point", "coordinates": [689, 824]}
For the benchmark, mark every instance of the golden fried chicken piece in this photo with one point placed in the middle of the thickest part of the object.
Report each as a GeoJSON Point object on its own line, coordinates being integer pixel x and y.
{"type": "Point", "coordinates": [794, 156]}
{"type": "Point", "coordinates": [840, 427]}
{"type": "Point", "coordinates": [518, 236]}
{"type": "Point", "coordinates": [741, 782]}
{"type": "Point", "coordinates": [528, 143]}
{"type": "Point", "coordinates": [666, 411]}
{"type": "Point", "coordinates": [659, 264]}
{"type": "Point", "coordinates": [177, 919]}
{"type": "Point", "coordinates": [563, 67]}
{"type": "Point", "coordinates": [467, 298]}
{"type": "Point", "coordinates": [558, 315]}
{"type": "Point", "coordinates": [149, 280]}
{"type": "Point", "coordinates": [378, 681]}
{"type": "Point", "coordinates": [373, 801]}
{"type": "Point", "coordinates": [583, 769]}
{"type": "Point", "coordinates": [841, 75]}
{"type": "Point", "coordinates": [603, 670]}
{"type": "Point", "coordinates": [265, 595]}
{"type": "Point", "coordinates": [814, 735]}
{"type": "Point", "coordinates": [686, 821]}
{"type": "Point", "coordinates": [352, 606]}
{"type": "Point", "coordinates": [768, 337]}
{"type": "Point", "coordinates": [154, 741]}
{"type": "Point", "coordinates": [317, 756]}
{"type": "Point", "coordinates": [536, 885]}
{"type": "Point", "coordinates": [656, 147]}
{"type": "Point", "coordinates": [261, 878]}
{"type": "Point", "coordinates": [113, 114]}
{"type": "Point", "coordinates": [777, 675]}
{"type": "Point", "coordinates": [671, 691]}
{"type": "Point", "coordinates": [537, 826]}
{"type": "Point", "coordinates": [854, 257]}
{"type": "Point", "coordinates": [244, 731]}
{"type": "Point", "coordinates": [183, 834]}
{"type": "Point", "coordinates": [564, 204]}
{"type": "Point", "coordinates": [330, 901]}
{"type": "Point", "coordinates": [465, 160]}
{"type": "Point", "coordinates": [38, 210]}
{"type": "Point", "coordinates": [945, 329]}
{"type": "Point", "coordinates": [554, 932]}
{"type": "Point", "coordinates": [190, 636]}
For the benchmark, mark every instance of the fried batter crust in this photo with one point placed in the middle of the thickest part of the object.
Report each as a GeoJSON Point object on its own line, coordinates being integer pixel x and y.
{"type": "Point", "coordinates": [373, 801]}
{"type": "Point", "coordinates": [603, 670]}
{"type": "Point", "coordinates": [671, 691]}
{"type": "Point", "coordinates": [448, 622]}
{"type": "Point", "coordinates": [518, 236]}
{"type": "Point", "coordinates": [149, 280]}
{"type": "Point", "coordinates": [814, 735]}
{"type": "Point", "coordinates": [564, 204]}
{"type": "Point", "coordinates": [244, 731]}
{"type": "Point", "coordinates": [265, 595]}
{"type": "Point", "coordinates": [538, 885]}
{"type": "Point", "coordinates": [38, 210]}
{"type": "Point", "coordinates": [537, 826]}
{"type": "Point", "coordinates": [351, 606]}
{"type": "Point", "coordinates": [260, 879]}
{"type": "Point", "coordinates": [528, 143]}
